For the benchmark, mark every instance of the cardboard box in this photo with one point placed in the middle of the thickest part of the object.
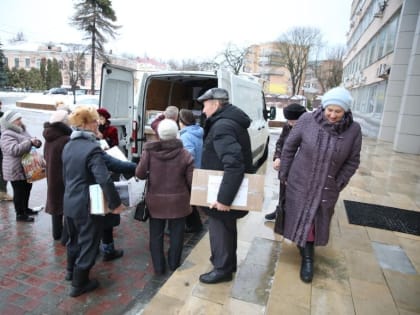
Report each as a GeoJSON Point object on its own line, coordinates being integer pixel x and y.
{"type": "Point", "coordinates": [206, 184]}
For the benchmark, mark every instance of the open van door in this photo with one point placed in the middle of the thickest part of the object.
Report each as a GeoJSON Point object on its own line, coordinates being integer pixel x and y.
{"type": "Point", "coordinates": [117, 96]}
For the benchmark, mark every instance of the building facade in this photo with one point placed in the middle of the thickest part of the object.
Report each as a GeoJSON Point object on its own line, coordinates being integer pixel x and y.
{"type": "Point", "coordinates": [264, 60]}
{"type": "Point", "coordinates": [26, 55]}
{"type": "Point", "coordinates": [382, 70]}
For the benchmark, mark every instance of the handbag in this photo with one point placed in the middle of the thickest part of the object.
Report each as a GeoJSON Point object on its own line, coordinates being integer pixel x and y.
{"type": "Point", "coordinates": [33, 165]}
{"type": "Point", "coordinates": [142, 212]}
{"type": "Point", "coordinates": [279, 223]}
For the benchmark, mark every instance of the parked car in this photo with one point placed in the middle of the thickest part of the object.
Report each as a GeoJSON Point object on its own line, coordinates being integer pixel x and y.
{"type": "Point", "coordinates": [57, 90]}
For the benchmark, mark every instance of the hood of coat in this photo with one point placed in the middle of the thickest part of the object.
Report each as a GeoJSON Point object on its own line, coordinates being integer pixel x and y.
{"type": "Point", "coordinates": [231, 112]}
{"type": "Point", "coordinates": [193, 130]}
{"type": "Point", "coordinates": [164, 149]}
{"type": "Point", "coordinates": [55, 130]}
{"type": "Point", "coordinates": [84, 134]}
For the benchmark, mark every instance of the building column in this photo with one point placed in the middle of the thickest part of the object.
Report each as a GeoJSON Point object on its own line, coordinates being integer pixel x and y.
{"type": "Point", "coordinates": [407, 136]}
{"type": "Point", "coordinates": [399, 70]}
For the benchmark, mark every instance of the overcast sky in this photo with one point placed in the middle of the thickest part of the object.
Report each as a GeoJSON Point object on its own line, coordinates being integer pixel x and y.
{"type": "Point", "coordinates": [179, 29]}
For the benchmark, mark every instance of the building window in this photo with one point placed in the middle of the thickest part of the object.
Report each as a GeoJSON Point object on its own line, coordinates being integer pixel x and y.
{"type": "Point", "coordinates": [27, 63]}
{"type": "Point", "coordinates": [17, 63]}
{"type": "Point", "coordinates": [38, 63]}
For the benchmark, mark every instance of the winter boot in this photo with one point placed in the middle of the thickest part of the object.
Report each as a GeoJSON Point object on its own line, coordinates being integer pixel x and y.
{"type": "Point", "coordinates": [81, 283]}
{"type": "Point", "coordinates": [307, 266]}
{"type": "Point", "coordinates": [57, 226]}
{"type": "Point", "coordinates": [110, 253]}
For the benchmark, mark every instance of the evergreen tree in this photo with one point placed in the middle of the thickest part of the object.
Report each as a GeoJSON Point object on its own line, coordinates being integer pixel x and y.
{"type": "Point", "coordinates": [3, 69]}
{"type": "Point", "coordinates": [96, 18]}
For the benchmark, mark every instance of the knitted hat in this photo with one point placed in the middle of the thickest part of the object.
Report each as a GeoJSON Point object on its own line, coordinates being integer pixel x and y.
{"type": "Point", "coordinates": [293, 111]}
{"type": "Point", "coordinates": [104, 113]}
{"type": "Point", "coordinates": [83, 115]}
{"type": "Point", "coordinates": [186, 117]}
{"type": "Point", "coordinates": [11, 115]}
{"type": "Point", "coordinates": [337, 96]}
{"type": "Point", "coordinates": [167, 129]}
{"type": "Point", "coordinates": [59, 115]}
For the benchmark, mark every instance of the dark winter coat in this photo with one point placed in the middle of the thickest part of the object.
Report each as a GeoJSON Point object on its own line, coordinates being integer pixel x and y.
{"type": "Point", "coordinates": [317, 162]}
{"type": "Point", "coordinates": [227, 148]}
{"type": "Point", "coordinates": [170, 169]}
{"type": "Point", "coordinates": [280, 141]}
{"type": "Point", "coordinates": [84, 165]}
{"type": "Point", "coordinates": [15, 141]}
{"type": "Point", "coordinates": [56, 135]}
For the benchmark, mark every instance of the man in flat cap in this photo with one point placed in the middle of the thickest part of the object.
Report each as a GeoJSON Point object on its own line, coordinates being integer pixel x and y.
{"type": "Point", "coordinates": [226, 147]}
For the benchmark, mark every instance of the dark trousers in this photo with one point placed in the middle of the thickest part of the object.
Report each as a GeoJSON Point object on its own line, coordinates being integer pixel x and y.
{"type": "Point", "coordinates": [223, 243]}
{"type": "Point", "coordinates": [108, 236]}
{"type": "Point", "coordinates": [193, 220]}
{"type": "Point", "coordinates": [21, 193]}
{"type": "Point", "coordinates": [84, 238]}
{"type": "Point", "coordinates": [176, 242]}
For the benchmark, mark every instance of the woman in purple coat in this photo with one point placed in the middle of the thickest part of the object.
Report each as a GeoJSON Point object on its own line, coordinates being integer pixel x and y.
{"type": "Point", "coordinates": [319, 157]}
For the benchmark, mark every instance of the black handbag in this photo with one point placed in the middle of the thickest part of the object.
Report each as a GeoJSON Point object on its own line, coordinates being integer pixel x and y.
{"type": "Point", "coordinates": [142, 212]}
{"type": "Point", "coordinates": [279, 223]}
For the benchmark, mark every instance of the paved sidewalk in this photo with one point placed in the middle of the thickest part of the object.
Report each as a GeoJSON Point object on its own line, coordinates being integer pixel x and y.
{"type": "Point", "coordinates": [352, 274]}
{"type": "Point", "coordinates": [32, 267]}
{"type": "Point", "coordinates": [362, 271]}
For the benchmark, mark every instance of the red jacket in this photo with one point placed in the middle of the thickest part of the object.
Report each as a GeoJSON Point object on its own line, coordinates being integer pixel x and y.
{"type": "Point", "coordinates": [110, 134]}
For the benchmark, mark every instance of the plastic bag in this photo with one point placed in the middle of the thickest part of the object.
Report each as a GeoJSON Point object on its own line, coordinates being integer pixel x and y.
{"type": "Point", "coordinates": [33, 165]}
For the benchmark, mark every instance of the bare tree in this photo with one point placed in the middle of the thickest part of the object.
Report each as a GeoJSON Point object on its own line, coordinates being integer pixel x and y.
{"type": "Point", "coordinates": [295, 47]}
{"type": "Point", "coordinates": [193, 65]}
{"type": "Point", "coordinates": [233, 57]}
{"type": "Point", "coordinates": [329, 72]}
{"type": "Point", "coordinates": [75, 66]}
{"type": "Point", "coordinates": [19, 37]}
{"type": "Point", "coordinates": [96, 18]}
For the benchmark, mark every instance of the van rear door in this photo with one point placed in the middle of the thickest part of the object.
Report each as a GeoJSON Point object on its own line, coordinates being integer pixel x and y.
{"type": "Point", "coordinates": [246, 93]}
{"type": "Point", "coordinates": [117, 96]}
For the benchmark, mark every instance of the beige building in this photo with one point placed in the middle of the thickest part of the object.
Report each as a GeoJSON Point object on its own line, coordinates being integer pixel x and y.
{"type": "Point", "coordinates": [382, 70]}
{"type": "Point", "coordinates": [264, 60]}
{"type": "Point", "coordinates": [25, 55]}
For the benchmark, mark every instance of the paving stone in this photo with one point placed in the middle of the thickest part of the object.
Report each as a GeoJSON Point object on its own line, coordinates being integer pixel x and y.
{"type": "Point", "coordinates": [393, 257]}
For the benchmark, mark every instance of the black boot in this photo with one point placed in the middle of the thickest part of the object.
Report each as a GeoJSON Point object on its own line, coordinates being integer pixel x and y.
{"type": "Point", "coordinates": [307, 266]}
{"type": "Point", "coordinates": [81, 283]}
{"type": "Point", "coordinates": [57, 226]}
{"type": "Point", "coordinates": [110, 253]}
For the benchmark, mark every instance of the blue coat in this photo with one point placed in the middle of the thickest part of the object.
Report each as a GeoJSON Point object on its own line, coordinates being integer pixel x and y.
{"type": "Point", "coordinates": [192, 139]}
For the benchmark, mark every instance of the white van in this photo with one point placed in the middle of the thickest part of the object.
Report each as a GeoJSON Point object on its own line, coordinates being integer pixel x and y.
{"type": "Point", "coordinates": [134, 102]}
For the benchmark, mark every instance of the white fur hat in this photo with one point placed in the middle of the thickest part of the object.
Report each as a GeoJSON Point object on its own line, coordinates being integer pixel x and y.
{"type": "Point", "coordinates": [167, 129]}
{"type": "Point", "coordinates": [59, 115]}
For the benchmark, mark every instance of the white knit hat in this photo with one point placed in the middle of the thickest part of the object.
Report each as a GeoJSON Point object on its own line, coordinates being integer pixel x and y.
{"type": "Point", "coordinates": [11, 115]}
{"type": "Point", "coordinates": [167, 129]}
{"type": "Point", "coordinates": [59, 115]}
{"type": "Point", "coordinates": [337, 96]}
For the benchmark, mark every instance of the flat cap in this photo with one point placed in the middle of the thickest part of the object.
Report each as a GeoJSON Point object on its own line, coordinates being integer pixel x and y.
{"type": "Point", "coordinates": [214, 94]}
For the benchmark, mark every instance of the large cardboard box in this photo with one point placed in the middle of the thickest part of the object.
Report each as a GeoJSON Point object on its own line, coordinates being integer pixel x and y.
{"type": "Point", "coordinates": [206, 184]}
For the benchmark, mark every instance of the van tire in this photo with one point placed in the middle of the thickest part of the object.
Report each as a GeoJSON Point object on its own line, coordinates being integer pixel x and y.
{"type": "Point", "coordinates": [264, 156]}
